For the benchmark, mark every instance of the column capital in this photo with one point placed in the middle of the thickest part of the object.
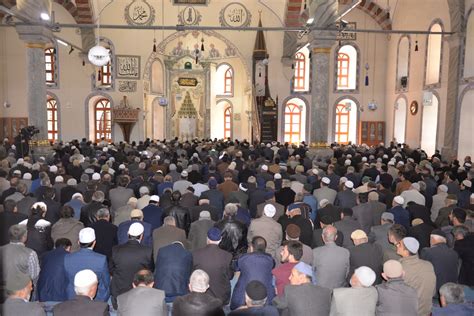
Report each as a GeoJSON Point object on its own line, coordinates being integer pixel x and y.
{"type": "Point", "coordinates": [35, 36]}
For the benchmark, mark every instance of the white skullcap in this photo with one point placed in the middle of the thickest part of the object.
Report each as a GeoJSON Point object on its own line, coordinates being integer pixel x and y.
{"type": "Point", "coordinates": [112, 159]}
{"type": "Point", "coordinates": [53, 169]}
{"type": "Point", "coordinates": [40, 204]}
{"type": "Point", "coordinates": [467, 183]}
{"type": "Point", "coordinates": [136, 229]}
{"type": "Point", "coordinates": [20, 161]}
{"type": "Point", "coordinates": [105, 149]}
{"type": "Point", "coordinates": [415, 186]}
{"type": "Point", "coordinates": [401, 163]}
{"type": "Point", "coordinates": [17, 172]}
{"type": "Point", "coordinates": [121, 166]}
{"type": "Point", "coordinates": [36, 166]}
{"type": "Point", "coordinates": [269, 210]}
{"type": "Point", "coordinates": [347, 162]}
{"type": "Point", "coordinates": [391, 163]}
{"type": "Point", "coordinates": [27, 176]}
{"type": "Point", "coordinates": [86, 235]}
{"type": "Point", "coordinates": [265, 167]}
{"type": "Point", "coordinates": [96, 176]}
{"type": "Point", "coordinates": [72, 182]}
{"type": "Point", "coordinates": [59, 179]}
{"type": "Point", "coordinates": [241, 187]}
{"type": "Point", "coordinates": [85, 278]}
{"type": "Point", "coordinates": [411, 244]}
{"type": "Point", "coordinates": [349, 184]}
{"type": "Point", "coordinates": [325, 180]}
{"type": "Point", "coordinates": [342, 180]}
{"type": "Point", "coordinates": [76, 195]}
{"type": "Point", "coordinates": [277, 176]}
{"type": "Point", "coordinates": [385, 156]}
{"type": "Point", "coordinates": [155, 198]}
{"type": "Point", "coordinates": [323, 202]}
{"type": "Point", "coordinates": [184, 173]}
{"type": "Point", "coordinates": [349, 156]}
{"type": "Point", "coordinates": [143, 190]}
{"type": "Point", "coordinates": [365, 275]}
{"type": "Point", "coordinates": [399, 200]}
{"type": "Point", "coordinates": [364, 159]}
{"type": "Point", "coordinates": [443, 188]}
{"type": "Point", "coordinates": [315, 171]}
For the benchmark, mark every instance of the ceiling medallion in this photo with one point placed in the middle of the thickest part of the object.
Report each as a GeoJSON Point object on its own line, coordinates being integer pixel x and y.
{"type": "Point", "coordinates": [139, 12]}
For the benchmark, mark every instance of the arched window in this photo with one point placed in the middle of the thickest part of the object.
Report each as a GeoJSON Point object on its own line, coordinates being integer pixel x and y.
{"type": "Point", "coordinates": [403, 63]}
{"type": "Point", "coordinates": [429, 126]}
{"type": "Point", "coordinates": [400, 121]}
{"type": "Point", "coordinates": [433, 55]}
{"type": "Point", "coordinates": [50, 64]}
{"type": "Point", "coordinates": [103, 122]}
{"type": "Point", "coordinates": [346, 78]}
{"type": "Point", "coordinates": [346, 121]}
{"type": "Point", "coordinates": [157, 78]}
{"type": "Point", "coordinates": [343, 62]}
{"type": "Point", "coordinates": [294, 121]}
{"type": "Point", "coordinates": [224, 80]}
{"type": "Point", "coordinates": [52, 114]}
{"type": "Point", "coordinates": [466, 141]}
{"type": "Point", "coordinates": [228, 78]}
{"type": "Point", "coordinates": [228, 122]}
{"type": "Point", "coordinates": [106, 75]}
{"type": "Point", "coordinates": [301, 75]}
{"type": "Point", "coordinates": [469, 47]}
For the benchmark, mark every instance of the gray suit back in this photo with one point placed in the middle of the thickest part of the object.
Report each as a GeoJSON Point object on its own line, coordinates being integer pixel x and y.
{"type": "Point", "coordinates": [142, 301]}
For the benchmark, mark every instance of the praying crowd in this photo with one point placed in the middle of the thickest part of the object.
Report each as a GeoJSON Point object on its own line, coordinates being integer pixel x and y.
{"type": "Point", "coordinates": [221, 227]}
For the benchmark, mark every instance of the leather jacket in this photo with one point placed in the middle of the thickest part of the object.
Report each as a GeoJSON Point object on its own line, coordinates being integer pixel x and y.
{"type": "Point", "coordinates": [181, 215]}
{"type": "Point", "coordinates": [234, 236]}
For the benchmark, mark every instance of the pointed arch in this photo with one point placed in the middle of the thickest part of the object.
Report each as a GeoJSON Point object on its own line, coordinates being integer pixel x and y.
{"type": "Point", "coordinates": [400, 112]}
{"type": "Point", "coordinates": [346, 72]}
{"type": "Point", "coordinates": [434, 56]}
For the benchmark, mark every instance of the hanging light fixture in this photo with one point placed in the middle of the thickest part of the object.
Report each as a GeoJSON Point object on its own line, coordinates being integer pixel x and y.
{"type": "Point", "coordinates": [99, 75]}
{"type": "Point", "coordinates": [202, 44]}
{"type": "Point", "coordinates": [154, 45]}
{"type": "Point", "coordinates": [99, 55]}
{"type": "Point", "coordinates": [416, 46]}
{"type": "Point", "coordinates": [367, 74]}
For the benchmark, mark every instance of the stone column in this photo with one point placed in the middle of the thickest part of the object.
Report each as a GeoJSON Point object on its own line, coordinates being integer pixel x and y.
{"type": "Point", "coordinates": [320, 93]}
{"type": "Point", "coordinates": [36, 37]}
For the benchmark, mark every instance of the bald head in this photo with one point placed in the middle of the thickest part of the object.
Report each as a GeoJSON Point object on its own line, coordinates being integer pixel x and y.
{"type": "Point", "coordinates": [329, 234]}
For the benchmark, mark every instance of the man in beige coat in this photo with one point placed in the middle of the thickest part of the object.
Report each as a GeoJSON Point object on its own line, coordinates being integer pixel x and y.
{"type": "Point", "coordinates": [267, 228]}
{"type": "Point", "coordinates": [419, 274]}
{"type": "Point", "coordinates": [67, 227]}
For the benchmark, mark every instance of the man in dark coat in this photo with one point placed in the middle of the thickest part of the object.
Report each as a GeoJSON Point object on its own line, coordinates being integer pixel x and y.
{"type": "Point", "coordinates": [173, 267]}
{"type": "Point", "coordinates": [204, 205]}
{"type": "Point", "coordinates": [464, 246]}
{"type": "Point", "coordinates": [88, 211]}
{"type": "Point", "coordinates": [105, 233]}
{"type": "Point", "coordinates": [8, 218]}
{"type": "Point", "coordinates": [198, 302]}
{"type": "Point", "coordinates": [293, 216]}
{"type": "Point", "coordinates": [52, 282]}
{"type": "Point", "coordinates": [127, 259]}
{"type": "Point", "coordinates": [256, 197]}
{"type": "Point", "coordinates": [152, 213]}
{"type": "Point", "coordinates": [234, 232]}
{"type": "Point", "coordinates": [365, 254]}
{"type": "Point", "coordinates": [52, 215]}
{"type": "Point", "coordinates": [347, 225]}
{"type": "Point", "coordinates": [180, 213]}
{"type": "Point", "coordinates": [346, 198]}
{"type": "Point", "coordinates": [136, 215]}
{"type": "Point", "coordinates": [286, 195]}
{"type": "Point", "coordinates": [443, 258]}
{"type": "Point", "coordinates": [421, 231]}
{"type": "Point", "coordinates": [255, 265]}
{"type": "Point", "coordinates": [85, 286]}
{"type": "Point", "coordinates": [218, 268]}
{"type": "Point", "coordinates": [215, 197]}
{"type": "Point", "coordinates": [86, 258]}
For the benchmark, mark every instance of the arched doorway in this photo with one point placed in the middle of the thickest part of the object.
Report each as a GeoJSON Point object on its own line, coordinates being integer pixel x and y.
{"type": "Point", "coordinates": [429, 126]}
{"type": "Point", "coordinates": [400, 120]}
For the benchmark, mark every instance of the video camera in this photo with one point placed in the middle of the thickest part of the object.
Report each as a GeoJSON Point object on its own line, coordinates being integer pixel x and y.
{"type": "Point", "coordinates": [28, 132]}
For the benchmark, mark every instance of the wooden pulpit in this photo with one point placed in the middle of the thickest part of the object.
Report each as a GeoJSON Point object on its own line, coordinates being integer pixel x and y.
{"type": "Point", "coordinates": [126, 119]}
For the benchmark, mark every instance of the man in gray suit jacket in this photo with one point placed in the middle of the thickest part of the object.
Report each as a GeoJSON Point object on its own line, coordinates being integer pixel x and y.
{"type": "Point", "coordinates": [19, 286]}
{"type": "Point", "coordinates": [330, 261]}
{"type": "Point", "coordinates": [197, 237]}
{"type": "Point", "coordinates": [325, 192]}
{"type": "Point", "coordinates": [379, 234]}
{"type": "Point", "coordinates": [347, 225]}
{"type": "Point", "coordinates": [143, 299]}
{"type": "Point", "coordinates": [167, 234]}
{"type": "Point", "coordinates": [360, 299]}
{"type": "Point", "coordinates": [120, 195]}
{"type": "Point", "coordinates": [301, 296]}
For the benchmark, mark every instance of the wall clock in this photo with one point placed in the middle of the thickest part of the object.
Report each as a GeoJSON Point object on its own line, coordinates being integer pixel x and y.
{"type": "Point", "coordinates": [414, 108]}
{"type": "Point", "coordinates": [139, 12]}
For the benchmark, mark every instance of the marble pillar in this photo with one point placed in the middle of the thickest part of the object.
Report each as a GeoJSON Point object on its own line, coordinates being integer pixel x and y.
{"type": "Point", "coordinates": [319, 124]}
{"type": "Point", "coordinates": [36, 37]}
